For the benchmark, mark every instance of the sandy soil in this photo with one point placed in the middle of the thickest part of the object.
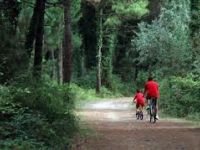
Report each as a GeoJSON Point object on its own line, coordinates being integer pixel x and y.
{"type": "Point", "coordinates": [115, 128]}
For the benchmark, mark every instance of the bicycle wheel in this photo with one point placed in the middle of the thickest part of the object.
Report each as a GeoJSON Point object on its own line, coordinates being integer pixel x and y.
{"type": "Point", "coordinates": [141, 115]}
{"type": "Point", "coordinates": [155, 113]}
{"type": "Point", "coordinates": [137, 116]}
{"type": "Point", "coordinates": [152, 115]}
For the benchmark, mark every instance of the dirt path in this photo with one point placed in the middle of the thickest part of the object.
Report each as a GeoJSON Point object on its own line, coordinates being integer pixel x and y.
{"type": "Point", "coordinates": [116, 128]}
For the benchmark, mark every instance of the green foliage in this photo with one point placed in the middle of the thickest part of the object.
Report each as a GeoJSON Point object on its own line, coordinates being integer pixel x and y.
{"type": "Point", "coordinates": [37, 115]}
{"type": "Point", "coordinates": [54, 25]}
{"type": "Point", "coordinates": [82, 93]}
{"type": "Point", "coordinates": [125, 10]}
{"type": "Point", "coordinates": [131, 8]}
{"type": "Point", "coordinates": [88, 80]}
{"type": "Point", "coordinates": [112, 21]}
{"type": "Point", "coordinates": [75, 12]}
{"type": "Point", "coordinates": [141, 79]}
{"type": "Point", "coordinates": [119, 88]}
{"type": "Point", "coordinates": [33, 129]}
{"type": "Point", "coordinates": [119, 13]}
{"type": "Point", "coordinates": [54, 28]}
{"type": "Point", "coordinates": [4, 93]}
{"type": "Point", "coordinates": [13, 59]}
{"type": "Point", "coordinates": [165, 42]}
{"type": "Point", "coordinates": [50, 98]}
{"type": "Point", "coordinates": [195, 37]}
{"type": "Point", "coordinates": [196, 66]}
{"type": "Point", "coordinates": [84, 87]}
{"type": "Point", "coordinates": [180, 97]}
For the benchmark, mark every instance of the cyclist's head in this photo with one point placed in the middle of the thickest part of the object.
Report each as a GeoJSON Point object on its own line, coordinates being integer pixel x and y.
{"type": "Point", "coordinates": [150, 78]}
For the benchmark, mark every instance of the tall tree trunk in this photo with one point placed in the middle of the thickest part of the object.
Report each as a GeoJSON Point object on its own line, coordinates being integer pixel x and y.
{"type": "Point", "coordinates": [67, 43]}
{"type": "Point", "coordinates": [37, 67]}
{"type": "Point", "coordinates": [100, 44]}
{"type": "Point", "coordinates": [109, 45]}
{"type": "Point", "coordinates": [80, 64]}
{"type": "Point", "coordinates": [60, 65]}
{"type": "Point", "coordinates": [88, 31]}
{"type": "Point", "coordinates": [30, 37]}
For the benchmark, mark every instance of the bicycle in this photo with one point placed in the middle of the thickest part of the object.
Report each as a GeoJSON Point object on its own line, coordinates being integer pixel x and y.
{"type": "Point", "coordinates": [139, 114]}
{"type": "Point", "coordinates": [152, 110]}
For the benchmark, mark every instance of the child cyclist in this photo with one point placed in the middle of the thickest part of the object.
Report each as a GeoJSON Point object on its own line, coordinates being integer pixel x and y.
{"type": "Point", "coordinates": [139, 100]}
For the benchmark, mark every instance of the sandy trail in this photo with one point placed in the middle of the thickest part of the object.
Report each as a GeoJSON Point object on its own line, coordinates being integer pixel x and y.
{"type": "Point", "coordinates": [116, 128]}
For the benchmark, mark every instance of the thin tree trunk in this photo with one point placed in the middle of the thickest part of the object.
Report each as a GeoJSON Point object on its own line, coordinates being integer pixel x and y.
{"type": "Point", "coordinates": [33, 28]}
{"type": "Point", "coordinates": [54, 69]}
{"type": "Point", "coordinates": [60, 64]}
{"type": "Point", "coordinates": [37, 67]}
{"type": "Point", "coordinates": [98, 83]}
{"type": "Point", "coordinates": [67, 43]}
{"type": "Point", "coordinates": [80, 64]}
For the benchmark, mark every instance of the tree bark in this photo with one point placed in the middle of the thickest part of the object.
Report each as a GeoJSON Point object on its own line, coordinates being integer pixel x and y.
{"type": "Point", "coordinates": [88, 31]}
{"type": "Point", "coordinates": [30, 37]}
{"type": "Point", "coordinates": [67, 43]}
{"type": "Point", "coordinates": [37, 67]}
{"type": "Point", "coordinates": [100, 44]}
{"type": "Point", "coordinates": [60, 65]}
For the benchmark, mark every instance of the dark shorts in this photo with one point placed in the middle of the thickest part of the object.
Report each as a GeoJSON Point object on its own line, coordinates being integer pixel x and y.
{"type": "Point", "coordinates": [139, 105]}
{"type": "Point", "coordinates": [153, 99]}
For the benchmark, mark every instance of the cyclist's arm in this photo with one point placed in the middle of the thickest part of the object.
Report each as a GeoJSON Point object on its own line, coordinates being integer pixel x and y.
{"type": "Point", "coordinates": [135, 98]}
{"type": "Point", "coordinates": [145, 90]}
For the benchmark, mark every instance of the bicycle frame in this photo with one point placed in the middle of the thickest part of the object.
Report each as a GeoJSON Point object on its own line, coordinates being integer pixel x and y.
{"type": "Point", "coordinates": [152, 110]}
{"type": "Point", "coordinates": [139, 114]}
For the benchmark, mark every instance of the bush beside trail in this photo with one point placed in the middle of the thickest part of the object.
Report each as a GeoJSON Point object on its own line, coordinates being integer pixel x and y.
{"type": "Point", "coordinates": [36, 115]}
{"type": "Point", "coordinates": [180, 97]}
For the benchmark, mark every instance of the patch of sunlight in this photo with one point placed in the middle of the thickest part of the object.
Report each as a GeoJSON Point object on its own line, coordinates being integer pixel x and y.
{"type": "Point", "coordinates": [110, 105]}
{"type": "Point", "coordinates": [101, 105]}
{"type": "Point", "coordinates": [113, 116]}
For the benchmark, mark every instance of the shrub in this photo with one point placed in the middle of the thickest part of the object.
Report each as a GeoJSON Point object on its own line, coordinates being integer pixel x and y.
{"type": "Point", "coordinates": [141, 79]}
{"type": "Point", "coordinates": [87, 81]}
{"type": "Point", "coordinates": [180, 96]}
{"type": "Point", "coordinates": [51, 99]}
{"type": "Point", "coordinates": [38, 114]}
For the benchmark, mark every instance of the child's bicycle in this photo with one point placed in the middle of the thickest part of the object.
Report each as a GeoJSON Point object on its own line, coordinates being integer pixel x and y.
{"type": "Point", "coordinates": [152, 110]}
{"type": "Point", "coordinates": [139, 115]}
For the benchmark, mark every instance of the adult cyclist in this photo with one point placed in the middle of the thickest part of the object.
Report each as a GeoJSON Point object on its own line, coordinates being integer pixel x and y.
{"type": "Point", "coordinates": [151, 91]}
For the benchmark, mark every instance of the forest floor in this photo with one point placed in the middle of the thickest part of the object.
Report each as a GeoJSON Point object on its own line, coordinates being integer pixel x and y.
{"type": "Point", "coordinates": [114, 127]}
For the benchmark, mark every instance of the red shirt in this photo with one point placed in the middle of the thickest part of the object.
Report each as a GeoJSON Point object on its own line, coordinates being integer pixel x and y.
{"type": "Point", "coordinates": [151, 88]}
{"type": "Point", "coordinates": [139, 98]}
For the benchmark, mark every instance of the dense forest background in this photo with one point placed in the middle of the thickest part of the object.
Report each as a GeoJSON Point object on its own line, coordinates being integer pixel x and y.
{"type": "Point", "coordinates": [54, 53]}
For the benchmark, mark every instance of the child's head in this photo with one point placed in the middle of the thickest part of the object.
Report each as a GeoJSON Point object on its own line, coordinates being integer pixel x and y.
{"type": "Point", "coordinates": [137, 90]}
{"type": "Point", "coordinates": [150, 78]}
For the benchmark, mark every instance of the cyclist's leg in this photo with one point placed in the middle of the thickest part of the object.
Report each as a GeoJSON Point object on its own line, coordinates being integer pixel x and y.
{"type": "Point", "coordinates": [157, 117]}
{"type": "Point", "coordinates": [147, 104]}
{"type": "Point", "coordinates": [142, 106]}
{"type": "Point", "coordinates": [137, 108]}
{"type": "Point", "coordinates": [156, 106]}
{"type": "Point", "coordinates": [140, 109]}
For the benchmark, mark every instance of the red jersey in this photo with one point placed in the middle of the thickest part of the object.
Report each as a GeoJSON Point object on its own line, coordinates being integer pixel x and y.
{"type": "Point", "coordinates": [139, 97]}
{"type": "Point", "coordinates": [151, 88]}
